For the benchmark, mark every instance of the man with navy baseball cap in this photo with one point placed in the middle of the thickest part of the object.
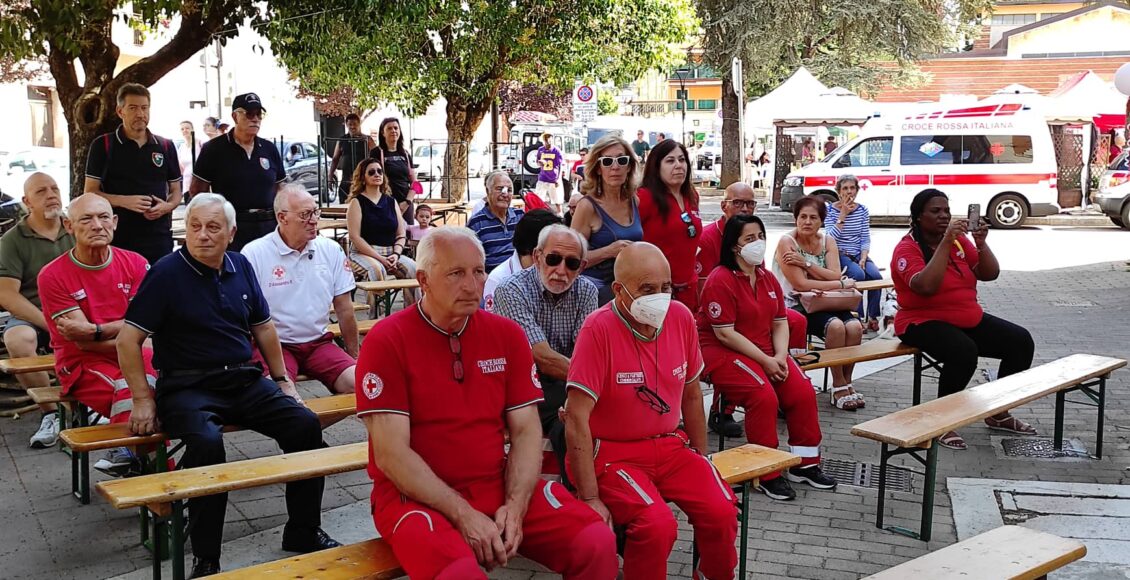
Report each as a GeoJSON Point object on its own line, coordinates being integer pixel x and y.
{"type": "Point", "coordinates": [244, 168]}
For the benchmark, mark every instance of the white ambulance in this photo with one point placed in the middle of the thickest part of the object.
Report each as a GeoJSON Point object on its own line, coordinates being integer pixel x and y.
{"type": "Point", "coordinates": [999, 156]}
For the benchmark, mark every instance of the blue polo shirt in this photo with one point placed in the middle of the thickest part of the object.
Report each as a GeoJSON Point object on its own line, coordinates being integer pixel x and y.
{"type": "Point", "coordinates": [199, 318]}
{"type": "Point", "coordinates": [248, 182]}
{"type": "Point", "coordinates": [497, 237]}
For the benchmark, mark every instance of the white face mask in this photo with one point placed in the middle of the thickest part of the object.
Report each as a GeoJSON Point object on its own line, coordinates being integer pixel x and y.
{"type": "Point", "coordinates": [651, 309]}
{"type": "Point", "coordinates": [754, 253]}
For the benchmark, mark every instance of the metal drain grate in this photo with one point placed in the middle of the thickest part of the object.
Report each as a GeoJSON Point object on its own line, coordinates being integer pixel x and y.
{"type": "Point", "coordinates": [1041, 448]}
{"type": "Point", "coordinates": [867, 474]}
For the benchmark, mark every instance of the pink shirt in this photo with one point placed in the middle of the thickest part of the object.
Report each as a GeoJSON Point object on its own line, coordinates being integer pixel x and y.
{"type": "Point", "coordinates": [417, 233]}
{"type": "Point", "coordinates": [611, 361]}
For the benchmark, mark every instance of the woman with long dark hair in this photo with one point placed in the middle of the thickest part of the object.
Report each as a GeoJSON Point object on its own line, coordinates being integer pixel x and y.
{"type": "Point", "coordinates": [935, 269]}
{"type": "Point", "coordinates": [377, 232]}
{"type": "Point", "coordinates": [669, 215]}
{"type": "Point", "coordinates": [397, 162]}
{"type": "Point", "coordinates": [744, 335]}
{"type": "Point", "coordinates": [608, 215]}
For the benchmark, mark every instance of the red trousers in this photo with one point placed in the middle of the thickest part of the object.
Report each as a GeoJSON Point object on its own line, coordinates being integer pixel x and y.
{"type": "Point", "coordinates": [744, 383]}
{"type": "Point", "coordinates": [99, 385]}
{"type": "Point", "coordinates": [798, 339]}
{"type": "Point", "coordinates": [636, 480]}
{"type": "Point", "coordinates": [559, 532]}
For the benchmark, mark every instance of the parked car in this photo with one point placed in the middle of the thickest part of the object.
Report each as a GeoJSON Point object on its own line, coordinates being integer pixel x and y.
{"type": "Point", "coordinates": [301, 161]}
{"type": "Point", "coordinates": [1113, 197]}
{"type": "Point", "coordinates": [429, 159]}
{"type": "Point", "coordinates": [18, 166]}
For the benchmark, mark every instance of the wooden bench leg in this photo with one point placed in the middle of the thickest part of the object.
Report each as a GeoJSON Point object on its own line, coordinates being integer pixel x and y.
{"type": "Point", "coordinates": [930, 462]}
{"type": "Point", "coordinates": [80, 461]}
{"type": "Point", "coordinates": [917, 379]}
{"type": "Point", "coordinates": [743, 533]}
{"type": "Point", "coordinates": [1098, 396]}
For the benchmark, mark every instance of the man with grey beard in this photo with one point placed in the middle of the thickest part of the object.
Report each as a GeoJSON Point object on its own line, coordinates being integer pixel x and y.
{"type": "Point", "coordinates": [25, 249]}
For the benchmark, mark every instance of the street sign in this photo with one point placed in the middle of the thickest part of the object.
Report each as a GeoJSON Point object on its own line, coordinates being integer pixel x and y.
{"type": "Point", "coordinates": [584, 103]}
{"type": "Point", "coordinates": [736, 76]}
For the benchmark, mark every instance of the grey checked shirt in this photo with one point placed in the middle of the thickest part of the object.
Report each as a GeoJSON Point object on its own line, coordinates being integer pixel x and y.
{"type": "Point", "coordinates": [546, 317]}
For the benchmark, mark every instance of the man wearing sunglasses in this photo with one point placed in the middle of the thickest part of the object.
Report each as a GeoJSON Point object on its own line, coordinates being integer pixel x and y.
{"type": "Point", "coordinates": [635, 367]}
{"type": "Point", "coordinates": [302, 276]}
{"type": "Point", "coordinates": [525, 240]}
{"type": "Point", "coordinates": [244, 168]}
{"type": "Point", "coordinates": [550, 302]}
{"type": "Point", "coordinates": [738, 199]}
{"type": "Point", "coordinates": [446, 496]}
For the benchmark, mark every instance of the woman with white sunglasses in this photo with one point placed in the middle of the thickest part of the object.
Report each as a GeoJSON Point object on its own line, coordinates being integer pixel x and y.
{"type": "Point", "coordinates": [608, 216]}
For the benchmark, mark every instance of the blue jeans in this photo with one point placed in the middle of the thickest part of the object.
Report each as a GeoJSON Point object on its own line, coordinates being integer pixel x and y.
{"type": "Point", "coordinates": [860, 274]}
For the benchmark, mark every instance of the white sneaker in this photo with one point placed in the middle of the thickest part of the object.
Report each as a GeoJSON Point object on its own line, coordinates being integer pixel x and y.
{"type": "Point", "coordinates": [48, 433]}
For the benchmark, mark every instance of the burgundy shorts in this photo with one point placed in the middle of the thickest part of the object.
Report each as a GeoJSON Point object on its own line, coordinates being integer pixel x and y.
{"type": "Point", "coordinates": [321, 359]}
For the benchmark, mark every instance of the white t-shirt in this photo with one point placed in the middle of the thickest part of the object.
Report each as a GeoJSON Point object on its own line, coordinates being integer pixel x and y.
{"type": "Point", "coordinates": [497, 276]}
{"type": "Point", "coordinates": [300, 286]}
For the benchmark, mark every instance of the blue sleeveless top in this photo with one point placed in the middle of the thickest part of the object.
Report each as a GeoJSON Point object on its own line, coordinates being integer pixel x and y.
{"type": "Point", "coordinates": [610, 231]}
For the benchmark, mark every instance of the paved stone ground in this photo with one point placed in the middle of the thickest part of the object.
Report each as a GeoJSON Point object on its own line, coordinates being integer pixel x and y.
{"type": "Point", "coordinates": [822, 535]}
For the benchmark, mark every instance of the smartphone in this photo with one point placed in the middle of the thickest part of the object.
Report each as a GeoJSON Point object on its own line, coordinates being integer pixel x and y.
{"type": "Point", "coordinates": [974, 216]}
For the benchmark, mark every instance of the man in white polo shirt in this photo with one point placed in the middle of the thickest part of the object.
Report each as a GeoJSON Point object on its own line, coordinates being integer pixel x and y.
{"type": "Point", "coordinates": [301, 274]}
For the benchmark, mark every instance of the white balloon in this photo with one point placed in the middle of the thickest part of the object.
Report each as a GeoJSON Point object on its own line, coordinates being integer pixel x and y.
{"type": "Point", "coordinates": [1122, 79]}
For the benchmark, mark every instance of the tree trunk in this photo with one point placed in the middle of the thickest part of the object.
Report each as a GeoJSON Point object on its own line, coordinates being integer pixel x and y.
{"type": "Point", "coordinates": [463, 119]}
{"type": "Point", "coordinates": [732, 154]}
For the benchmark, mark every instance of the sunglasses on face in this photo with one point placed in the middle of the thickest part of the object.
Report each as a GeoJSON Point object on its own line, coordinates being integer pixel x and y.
{"type": "Point", "coordinates": [256, 114]}
{"type": "Point", "coordinates": [374, 171]}
{"type": "Point", "coordinates": [457, 352]}
{"type": "Point", "coordinates": [653, 400]}
{"type": "Point", "coordinates": [691, 231]}
{"type": "Point", "coordinates": [621, 161]}
{"type": "Point", "coordinates": [554, 260]}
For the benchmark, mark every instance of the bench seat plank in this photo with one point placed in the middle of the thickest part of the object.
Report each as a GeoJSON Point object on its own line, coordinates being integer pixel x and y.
{"type": "Point", "coordinates": [47, 395]}
{"type": "Point", "coordinates": [741, 464]}
{"type": "Point", "coordinates": [370, 560]}
{"type": "Point", "coordinates": [880, 284]}
{"type": "Point", "coordinates": [162, 488]}
{"type": "Point", "coordinates": [363, 327]}
{"type": "Point", "coordinates": [871, 350]}
{"type": "Point", "coordinates": [1011, 552]}
{"type": "Point", "coordinates": [919, 424]}
{"type": "Point", "coordinates": [384, 285]}
{"type": "Point", "coordinates": [28, 364]}
{"type": "Point", "coordinates": [329, 410]}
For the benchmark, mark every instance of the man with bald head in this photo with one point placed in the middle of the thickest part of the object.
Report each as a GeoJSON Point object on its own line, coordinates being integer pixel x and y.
{"type": "Point", "coordinates": [85, 294]}
{"type": "Point", "coordinates": [634, 373]}
{"type": "Point", "coordinates": [446, 495]}
{"type": "Point", "coordinates": [737, 200]}
{"type": "Point", "coordinates": [25, 249]}
{"type": "Point", "coordinates": [303, 275]}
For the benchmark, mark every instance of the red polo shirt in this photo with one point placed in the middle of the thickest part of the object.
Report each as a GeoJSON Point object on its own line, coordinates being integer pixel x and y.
{"type": "Point", "coordinates": [610, 361]}
{"type": "Point", "coordinates": [709, 248]}
{"type": "Point", "coordinates": [728, 299]}
{"type": "Point", "coordinates": [406, 367]}
{"type": "Point", "coordinates": [670, 235]}
{"type": "Point", "coordinates": [955, 301]}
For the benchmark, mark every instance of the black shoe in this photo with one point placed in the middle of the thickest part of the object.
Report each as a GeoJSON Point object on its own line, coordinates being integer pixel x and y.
{"type": "Point", "coordinates": [812, 475]}
{"type": "Point", "coordinates": [306, 540]}
{"type": "Point", "coordinates": [202, 567]}
{"type": "Point", "coordinates": [725, 424]}
{"type": "Point", "coordinates": [778, 488]}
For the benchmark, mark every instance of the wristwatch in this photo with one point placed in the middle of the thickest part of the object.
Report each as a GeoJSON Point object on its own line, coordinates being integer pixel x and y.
{"type": "Point", "coordinates": [281, 379]}
{"type": "Point", "coordinates": [97, 333]}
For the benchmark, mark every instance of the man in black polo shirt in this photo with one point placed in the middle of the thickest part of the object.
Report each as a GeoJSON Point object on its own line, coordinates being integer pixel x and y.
{"type": "Point", "coordinates": [350, 151]}
{"type": "Point", "coordinates": [139, 174]}
{"type": "Point", "coordinates": [202, 305]}
{"type": "Point", "coordinates": [245, 169]}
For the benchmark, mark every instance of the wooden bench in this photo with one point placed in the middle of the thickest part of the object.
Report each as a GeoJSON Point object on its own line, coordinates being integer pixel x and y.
{"type": "Point", "coordinates": [84, 440]}
{"type": "Point", "coordinates": [1012, 552]}
{"type": "Point", "coordinates": [163, 494]}
{"type": "Point", "coordinates": [869, 285]}
{"type": "Point", "coordinates": [385, 290]}
{"type": "Point", "coordinates": [374, 559]}
{"type": "Point", "coordinates": [914, 430]}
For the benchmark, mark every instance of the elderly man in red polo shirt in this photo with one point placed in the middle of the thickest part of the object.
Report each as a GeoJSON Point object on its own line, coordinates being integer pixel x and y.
{"type": "Point", "coordinates": [446, 495]}
{"type": "Point", "coordinates": [635, 371]}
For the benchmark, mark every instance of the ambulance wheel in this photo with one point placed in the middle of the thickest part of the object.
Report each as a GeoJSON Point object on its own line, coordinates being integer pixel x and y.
{"type": "Point", "coordinates": [1008, 211]}
{"type": "Point", "coordinates": [1125, 217]}
{"type": "Point", "coordinates": [826, 196]}
{"type": "Point", "coordinates": [1118, 222]}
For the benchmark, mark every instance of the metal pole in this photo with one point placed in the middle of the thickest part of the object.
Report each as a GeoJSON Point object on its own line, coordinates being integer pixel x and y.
{"type": "Point", "coordinates": [494, 120]}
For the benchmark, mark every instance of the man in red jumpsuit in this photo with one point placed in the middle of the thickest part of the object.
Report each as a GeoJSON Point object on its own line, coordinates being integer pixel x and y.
{"type": "Point", "coordinates": [446, 495]}
{"type": "Point", "coordinates": [635, 371]}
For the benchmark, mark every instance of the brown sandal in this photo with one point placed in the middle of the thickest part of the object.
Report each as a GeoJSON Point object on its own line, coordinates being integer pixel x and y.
{"type": "Point", "coordinates": [1010, 424]}
{"type": "Point", "coordinates": [951, 440]}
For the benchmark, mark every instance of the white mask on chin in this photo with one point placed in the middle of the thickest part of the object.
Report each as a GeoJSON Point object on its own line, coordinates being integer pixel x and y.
{"type": "Point", "coordinates": [754, 253]}
{"type": "Point", "coordinates": [651, 309]}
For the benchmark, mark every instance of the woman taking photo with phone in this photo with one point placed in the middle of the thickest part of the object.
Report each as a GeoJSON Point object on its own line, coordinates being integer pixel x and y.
{"type": "Point", "coordinates": [935, 269]}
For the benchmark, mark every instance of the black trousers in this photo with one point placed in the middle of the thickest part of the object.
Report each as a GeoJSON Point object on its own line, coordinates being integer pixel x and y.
{"type": "Point", "coordinates": [195, 411]}
{"type": "Point", "coordinates": [248, 230]}
{"type": "Point", "coordinates": [958, 348]}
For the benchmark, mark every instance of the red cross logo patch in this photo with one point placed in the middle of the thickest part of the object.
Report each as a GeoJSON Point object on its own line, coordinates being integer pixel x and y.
{"type": "Point", "coordinates": [278, 272]}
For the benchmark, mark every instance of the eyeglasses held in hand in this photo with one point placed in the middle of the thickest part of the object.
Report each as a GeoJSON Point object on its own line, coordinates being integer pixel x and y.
{"type": "Point", "coordinates": [553, 260]}
{"type": "Point", "coordinates": [621, 160]}
{"type": "Point", "coordinates": [457, 352]}
{"type": "Point", "coordinates": [374, 171]}
{"type": "Point", "coordinates": [691, 231]}
{"type": "Point", "coordinates": [308, 215]}
{"type": "Point", "coordinates": [653, 400]}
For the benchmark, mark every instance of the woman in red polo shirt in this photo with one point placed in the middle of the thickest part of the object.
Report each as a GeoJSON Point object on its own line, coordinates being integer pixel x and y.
{"type": "Point", "coordinates": [745, 347]}
{"type": "Point", "coordinates": [938, 309]}
{"type": "Point", "coordinates": [669, 214]}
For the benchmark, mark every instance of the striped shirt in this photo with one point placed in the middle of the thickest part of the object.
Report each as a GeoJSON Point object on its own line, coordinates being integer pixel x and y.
{"type": "Point", "coordinates": [854, 237]}
{"type": "Point", "coordinates": [497, 237]}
